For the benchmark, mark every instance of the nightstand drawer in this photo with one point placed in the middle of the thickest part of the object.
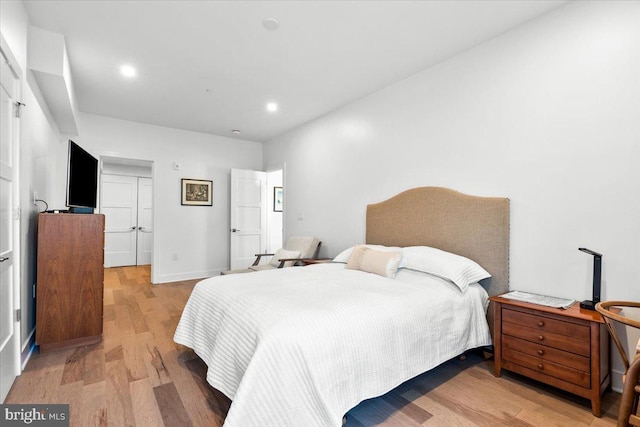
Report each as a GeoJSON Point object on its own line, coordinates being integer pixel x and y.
{"type": "Point", "coordinates": [580, 332]}
{"type": "Point", "coordinates": [550, 339]}
{"type": "Point", "coordinates": [546, 353]}
{"type": "Point", "coordinates": [564, 373]}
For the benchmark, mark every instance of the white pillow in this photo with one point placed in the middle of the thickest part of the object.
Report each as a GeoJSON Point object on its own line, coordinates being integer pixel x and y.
{"type": "Point", "coordinates": [460, 270]}
{"type": "Point", "coordinates": [415, 276]}
{"type": "Point", "coordinates": [425, 279]}
{"type": "Point", "coordinates": [283, 253]}
{"type": "Point", "coordinates": [382, 263]}
{"type": "Point", "coordinates": [344, 255]}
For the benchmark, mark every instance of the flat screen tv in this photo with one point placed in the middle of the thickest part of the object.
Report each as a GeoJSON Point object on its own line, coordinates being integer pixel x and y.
{"type": "Point", "coordinates": [82, 178]}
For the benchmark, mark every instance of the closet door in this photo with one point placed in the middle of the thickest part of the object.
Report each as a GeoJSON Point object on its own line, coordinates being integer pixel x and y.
{"type": "Point", "coordinates": [120, 206]}
{"type": "Point", "coordinates": [145, 224]}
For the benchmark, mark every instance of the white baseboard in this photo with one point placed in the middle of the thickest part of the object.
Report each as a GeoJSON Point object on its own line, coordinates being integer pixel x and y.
{"type": "Point", "coordinates": [28, 347]}
{"type": "Point", "coordinates": [616, 380]}
{"type": "Point", "coordinates": [30, 337]}
{"type": "Point", "coordinates": [190, 275]}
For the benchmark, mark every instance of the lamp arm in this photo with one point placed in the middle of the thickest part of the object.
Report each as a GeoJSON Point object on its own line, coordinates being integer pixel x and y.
{"type": "Point", "coordinates": [597, 279]}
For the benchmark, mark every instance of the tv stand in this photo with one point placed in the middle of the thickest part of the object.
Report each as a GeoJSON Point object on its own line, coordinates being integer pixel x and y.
{"type": "Point", "coordinates": [70, 280]}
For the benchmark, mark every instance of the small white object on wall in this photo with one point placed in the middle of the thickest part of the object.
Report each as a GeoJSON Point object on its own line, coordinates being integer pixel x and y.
{"type": "Point", "coordinates": [176, 166]}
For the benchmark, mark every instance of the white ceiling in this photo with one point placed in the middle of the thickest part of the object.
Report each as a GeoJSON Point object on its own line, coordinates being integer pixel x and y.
{"type": "Point", "coordinates": [211, 66]}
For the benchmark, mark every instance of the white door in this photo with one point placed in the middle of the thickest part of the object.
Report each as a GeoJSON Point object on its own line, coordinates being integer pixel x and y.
{"type": "Point", "coordinates": [145, 225]}
{"type": "Point", "coordinates": [248, 216]}
{"type": "Point", "coordinates": [9, 227]}
{"type": "Point", "coordinates": [120, 206]}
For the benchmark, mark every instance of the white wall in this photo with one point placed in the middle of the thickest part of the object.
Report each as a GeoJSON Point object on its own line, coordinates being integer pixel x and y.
{"type": "Point", "coordinates": [198, 235]}
{"type": "Point", "coordinates": [127, 170]}
{"type": "Point", "coordinates": [546, 114]}
{"type": "Point", "coordinates": [39, 139]}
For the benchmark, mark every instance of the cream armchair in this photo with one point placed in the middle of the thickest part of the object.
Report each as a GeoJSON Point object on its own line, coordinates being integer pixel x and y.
{"type": "Point", "coordinates": [295, 249]}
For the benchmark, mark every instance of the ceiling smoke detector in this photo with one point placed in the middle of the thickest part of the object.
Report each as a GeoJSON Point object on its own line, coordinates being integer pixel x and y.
{"type": "Point", "coordinates": [271, 23]}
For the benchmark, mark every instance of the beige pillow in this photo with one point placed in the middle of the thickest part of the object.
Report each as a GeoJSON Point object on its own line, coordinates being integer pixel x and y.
{"type": "Point", "coordinates": [381, 263]}
{"type": "Point", "coordinates": [283, 253]}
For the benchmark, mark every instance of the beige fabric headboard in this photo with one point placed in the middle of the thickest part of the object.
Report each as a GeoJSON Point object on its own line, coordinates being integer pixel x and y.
{"type": "Point", "coordinates": [471, 226]}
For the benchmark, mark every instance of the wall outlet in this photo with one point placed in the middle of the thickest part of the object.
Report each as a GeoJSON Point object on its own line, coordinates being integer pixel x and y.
{"type": "Point", "coordinates": [174, 257]}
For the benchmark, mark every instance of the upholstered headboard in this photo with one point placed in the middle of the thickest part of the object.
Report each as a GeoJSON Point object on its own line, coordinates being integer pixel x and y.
{"type": "Point", "coordinates": [471, 226]}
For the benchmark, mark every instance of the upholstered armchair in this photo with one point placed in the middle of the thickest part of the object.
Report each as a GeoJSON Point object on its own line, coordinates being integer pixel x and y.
{"type": "Point", "coordinates": [295, 249]}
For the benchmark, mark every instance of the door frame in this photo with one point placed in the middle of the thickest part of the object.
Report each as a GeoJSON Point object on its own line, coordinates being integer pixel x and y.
{"type": "Point", "coordinates": [269, 216]}
{"type": "Point", "coordinates": [115, 158]}
{"type": "Point", "coordinates": [283, 167]}
{"type": "Point", "coordinates": [141, 232]}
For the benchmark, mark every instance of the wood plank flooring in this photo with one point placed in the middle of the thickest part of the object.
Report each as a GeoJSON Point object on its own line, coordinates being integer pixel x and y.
{"type": "Point", "coordinates": [139, 377]}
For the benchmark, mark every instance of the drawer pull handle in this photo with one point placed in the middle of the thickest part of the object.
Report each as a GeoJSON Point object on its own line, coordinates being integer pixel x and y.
{"type": "Point", "coordinates": [541, 323]}
{"type": "Point", "coordinates": [540, 352]}
{"type": "Point", "coordinates": [540, 338]}
{"type": "Point", "coordinates": [540, 366]}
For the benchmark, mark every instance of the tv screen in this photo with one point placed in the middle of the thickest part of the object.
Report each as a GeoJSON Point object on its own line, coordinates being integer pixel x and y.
{"type": "Point", "coordinates": [82, 177]}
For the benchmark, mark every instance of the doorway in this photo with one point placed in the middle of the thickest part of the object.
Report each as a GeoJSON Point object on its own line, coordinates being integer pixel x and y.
{"type": "Point", "coordinates": [256, 215]}
{"type": "Point", "coordinates": [126, 188]}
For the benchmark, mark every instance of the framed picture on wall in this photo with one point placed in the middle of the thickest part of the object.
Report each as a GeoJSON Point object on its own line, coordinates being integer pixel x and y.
{"type": "Point", "coordinates": [197, 192]}
{"type": "Point", "coordinates": [277, 199]}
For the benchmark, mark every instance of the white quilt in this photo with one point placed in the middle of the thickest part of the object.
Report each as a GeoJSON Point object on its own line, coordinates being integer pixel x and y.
{"type": "Point", "coordinates": [301, 346]}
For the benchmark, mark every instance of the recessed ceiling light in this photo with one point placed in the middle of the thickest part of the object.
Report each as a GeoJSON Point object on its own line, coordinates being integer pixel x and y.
{"type": "Point", "coordinates": [235, 131]}
{"type": "Point", "coordinates": [271, 23]}
{"type": "Point", "coordinates": [128, 71]}
{"type": "Point", "coordinates": [272, 107]}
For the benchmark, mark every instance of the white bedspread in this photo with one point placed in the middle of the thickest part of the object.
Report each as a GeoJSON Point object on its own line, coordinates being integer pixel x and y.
{"type": "Point", "coordinates": [301, 346]}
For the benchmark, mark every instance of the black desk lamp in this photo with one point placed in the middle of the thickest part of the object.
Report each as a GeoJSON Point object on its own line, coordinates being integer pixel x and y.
{"type": "Point", "coordinates": [597, 274]}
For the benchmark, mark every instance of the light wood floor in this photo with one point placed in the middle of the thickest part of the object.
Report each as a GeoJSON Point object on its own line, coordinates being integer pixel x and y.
{"type": "Point", "coordinates": [139, 377]}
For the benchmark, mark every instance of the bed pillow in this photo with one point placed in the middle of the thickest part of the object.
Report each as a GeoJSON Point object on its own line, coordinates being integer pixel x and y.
{"type": "Point", "coordinates": [283, 253]}
{"type": "Point", "coordinates": [343, 256]}
{"type": "Point", "coordinates": [382, 263]}
{"type": "Point", "coordinates": [460, 270]}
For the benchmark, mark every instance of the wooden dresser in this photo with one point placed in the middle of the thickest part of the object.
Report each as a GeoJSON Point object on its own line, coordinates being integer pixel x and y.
{"type": "Point", "coordinates": [568, 349]}
{"type": "Point", "coordinates": [70, 280]}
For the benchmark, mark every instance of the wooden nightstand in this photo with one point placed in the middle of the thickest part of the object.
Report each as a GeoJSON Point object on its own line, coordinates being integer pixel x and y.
{"type": "Point", "coordinates": [568, 349]}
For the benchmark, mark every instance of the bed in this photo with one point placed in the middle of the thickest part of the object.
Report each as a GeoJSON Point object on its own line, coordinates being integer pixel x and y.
{"type": "Point", "coordinates": [302, 346]}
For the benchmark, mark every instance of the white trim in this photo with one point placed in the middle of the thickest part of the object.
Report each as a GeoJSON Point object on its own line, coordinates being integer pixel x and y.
{"type": "Point", "coordinates": [32, 349]}
{"type": "Point", "coordinates": [616, 380]}
{"type": "Point", "coordinates": [25, 342]}
{"type": "Point", "coordinates": [190, 275]}
{"type": "Point", "coordinates": [12, 59]}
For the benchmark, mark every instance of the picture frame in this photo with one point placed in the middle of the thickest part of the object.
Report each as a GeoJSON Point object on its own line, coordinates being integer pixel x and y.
{"type": "Point", "coordinates": [196, 192]}
{"type": "Point", "coordinates": [278, 199]}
